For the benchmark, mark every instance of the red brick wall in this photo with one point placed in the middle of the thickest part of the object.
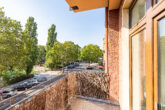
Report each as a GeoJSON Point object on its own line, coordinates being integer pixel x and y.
{"type": "Point", "coordinates": [113, 53]}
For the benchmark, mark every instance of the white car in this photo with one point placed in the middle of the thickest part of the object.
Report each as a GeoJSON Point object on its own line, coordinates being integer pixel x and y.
{"type": "Point", "coordinates": [8, 93]}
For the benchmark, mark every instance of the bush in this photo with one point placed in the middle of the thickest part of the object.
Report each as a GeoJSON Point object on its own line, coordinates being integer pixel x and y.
{"type": "Point", "coordinates": [11, 77]}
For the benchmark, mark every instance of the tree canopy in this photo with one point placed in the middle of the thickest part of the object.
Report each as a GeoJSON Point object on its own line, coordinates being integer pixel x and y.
{"type": "Point", "coordinates": [55, 56]}
{"type": "Point", "coordinates": [12, 52]}
{"type": "Point", "coordinates": [30, 34]}
{"type": "Point", "coordinates": [41, 54]}
{"type": "Point", "coordinates": [52, 37]}
{"type": "Point", "coordinates": [91, 53]}
{"type": "Point", "coordinates": [62, 53]}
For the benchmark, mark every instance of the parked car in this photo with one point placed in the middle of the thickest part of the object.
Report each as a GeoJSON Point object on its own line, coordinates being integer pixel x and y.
{"type": "Point", "coordinates": [24, 85]}
{"type": "Point", "coordinates": [41, 79]}
{"type": "Point", "coordinates": [101, 67]}
{"type": "Point", "coordinates": [89, 68]}
{"type": "Point", "coordinates": [76, 64]}
{"type": "Point", "coordinates": [71, 66]}
{"type": "Point", "coordinates": [8, 93]}
{"type": "Point", "coordinates": [33, 82]}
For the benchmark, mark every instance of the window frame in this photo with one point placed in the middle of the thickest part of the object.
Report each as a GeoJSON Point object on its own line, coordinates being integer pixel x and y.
{"type": "Point", "coordinates": [156, 71]}
{"type": "Point", "coordinates": [148, 23]}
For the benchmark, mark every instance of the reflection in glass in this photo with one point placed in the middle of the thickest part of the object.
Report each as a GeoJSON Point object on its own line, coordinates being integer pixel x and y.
{"type": "Point", "coordinates": [138, 72]}
{"type": "Point", "coordinates": [161, 65]}
{"type": "Point", "coordinates": [137, 12]}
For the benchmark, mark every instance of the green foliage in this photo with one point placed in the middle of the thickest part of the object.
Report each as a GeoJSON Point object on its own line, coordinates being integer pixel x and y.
{"type": "Point", "coordinates": [62, 53]}
{"type": "Point", "coordinates": [41, 55]}
{"type": "Point", "coordinates": [71, 51]}
{"type": "Point", "coordinates": [52, 37]}
{"type": "Point", "coordinates": [30, 35]}
{"type": "Point", "coordinates": [91, 53]}
{"type": "Point", "coordinates": [12, 52]}
{"type": "Point", "coordinates": [11, 77]}
{"type": "Point", "coordinates": [55, 56]}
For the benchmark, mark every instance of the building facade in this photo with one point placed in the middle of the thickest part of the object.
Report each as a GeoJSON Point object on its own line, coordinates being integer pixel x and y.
{"type": "Point", "coordinates": [135, 50]}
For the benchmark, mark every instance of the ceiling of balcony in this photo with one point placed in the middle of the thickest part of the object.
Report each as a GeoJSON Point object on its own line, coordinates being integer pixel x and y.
{"type": "Point", "coordinates": [83, 5]}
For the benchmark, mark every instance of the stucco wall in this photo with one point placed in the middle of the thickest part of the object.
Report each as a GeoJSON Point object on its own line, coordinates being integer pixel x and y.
{"type": "Point", "coordinates": [124, 57]}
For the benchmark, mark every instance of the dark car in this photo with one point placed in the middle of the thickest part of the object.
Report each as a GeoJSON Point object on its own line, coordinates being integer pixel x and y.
{"type": "Point", "coordinates": [71, 66]}
{"type": "Point", "coordinates": [8, 93]}
{"type": "Point", "coordinates": [24, 85]}
{"type": "Point", "coordinates": [89, 68]}
{"type": "Point", "coordinates": [76, 64]}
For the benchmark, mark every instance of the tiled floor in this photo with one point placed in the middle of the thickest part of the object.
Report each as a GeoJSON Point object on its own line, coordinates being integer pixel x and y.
{"type": "Point", "coordinates": [82, 104]}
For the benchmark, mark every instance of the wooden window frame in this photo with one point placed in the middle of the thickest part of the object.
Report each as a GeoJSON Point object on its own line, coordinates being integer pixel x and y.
{"type": "Point", "coordinates": [133, 32]}
{"type": "Point", "coordinates": [159, 17]}
{"type": "Point", "coordinates": [149, 23]}
{"type": "Point", "coordinates": [149, 3]}
{"type": "Point", "coordinates": [130, 14]}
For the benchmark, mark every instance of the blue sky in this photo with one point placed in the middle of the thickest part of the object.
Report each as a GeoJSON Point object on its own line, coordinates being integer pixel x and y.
{"type": "Point", "coordinates": [82, 28]}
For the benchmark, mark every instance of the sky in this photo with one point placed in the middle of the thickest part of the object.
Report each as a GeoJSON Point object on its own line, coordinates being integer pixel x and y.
{"type": "Point", "coordinates": [82, 28]}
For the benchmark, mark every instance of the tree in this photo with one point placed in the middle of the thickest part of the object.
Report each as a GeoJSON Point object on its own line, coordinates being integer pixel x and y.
{"type": "Point", "coordinates": [31, 41]}
{"type": "Point", "coordinates": [91, 53]}
{"type": "Point", "coordinates": [12, 52]}
{"type": "Point", "coordinates": [55, 56]}
{"type": "Point", "coordinates": [71, 51]}
{"type": "Point", "coordinates": [41, 55]}
{"type": "Point", "coordinates": [62, 53]}
{"type": "Point", "coordinates": [51, 37]}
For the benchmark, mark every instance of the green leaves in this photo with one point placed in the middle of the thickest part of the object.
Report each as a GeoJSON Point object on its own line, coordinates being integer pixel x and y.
{"type": "Point", "coordinates": [12, 52]}
{"type": "Point", "coordinates": [61, 53]}
{"type": "Point", "coordinates": [52, 35]}
{"type": "Point", "coordinates": [30, 41]}
{"type": "Point", "coordinates": [41, 54]}
{"type": "Point", "coordinates": [55, 56]}
{"type": "Point", "coordinates": [91, 53]}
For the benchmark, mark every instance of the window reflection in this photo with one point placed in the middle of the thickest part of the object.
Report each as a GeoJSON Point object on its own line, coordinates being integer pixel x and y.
{"type": "Point", "coordinates": [137, 12]}
{"type": "Point", "coordinates": [138, 72]}
{"type": "Point", "coordinates": [161, 57]}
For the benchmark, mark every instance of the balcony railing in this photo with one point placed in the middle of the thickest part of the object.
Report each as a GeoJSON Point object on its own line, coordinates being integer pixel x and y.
{"type": "Point", "coordinates": [58, 93]}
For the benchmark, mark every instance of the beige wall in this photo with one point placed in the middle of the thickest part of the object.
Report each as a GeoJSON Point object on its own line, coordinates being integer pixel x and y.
{"type": "Point", "coordinates": [124, 62]}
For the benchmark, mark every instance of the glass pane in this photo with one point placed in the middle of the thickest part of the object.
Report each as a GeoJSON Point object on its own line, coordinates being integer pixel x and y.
{"type": "Point", "coordinates": [138, 72]}
{"type": "Point", "coordinates": [161, 57]}
{"type": "Point", "coordinates": [138, 11]}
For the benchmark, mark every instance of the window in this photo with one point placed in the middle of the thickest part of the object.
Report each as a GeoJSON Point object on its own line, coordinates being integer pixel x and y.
{"type": "Point", "coordinates": [138, 72]}
{"type": "Point", "coordinates": [137, 11]}
{"type": "Point", "coordinates": [161, 63]}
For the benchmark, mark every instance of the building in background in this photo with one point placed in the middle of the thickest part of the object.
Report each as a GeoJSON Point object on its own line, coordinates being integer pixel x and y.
{"type": "Point", "coordinates": [134, 32]}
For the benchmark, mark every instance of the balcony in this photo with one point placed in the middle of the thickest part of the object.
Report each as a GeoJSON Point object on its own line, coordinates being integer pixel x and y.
{"type": "Point", "coordinates": [72, 91]}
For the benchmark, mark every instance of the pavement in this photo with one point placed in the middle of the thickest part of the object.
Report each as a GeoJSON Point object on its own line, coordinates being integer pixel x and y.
{"type": "Point", "coordinates": [96, 104]}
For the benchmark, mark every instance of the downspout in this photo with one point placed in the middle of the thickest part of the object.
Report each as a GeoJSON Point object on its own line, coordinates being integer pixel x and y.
{"type": "Point", "coordinates": [106, 37]}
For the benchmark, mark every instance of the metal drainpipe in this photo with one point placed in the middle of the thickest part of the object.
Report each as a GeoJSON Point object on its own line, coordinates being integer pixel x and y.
{"type": "Point", "coordinates": [106, 37]}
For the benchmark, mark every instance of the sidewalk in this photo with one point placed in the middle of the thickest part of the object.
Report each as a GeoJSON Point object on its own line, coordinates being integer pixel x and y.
{"type": "Point", "coordinates": [83, 104]}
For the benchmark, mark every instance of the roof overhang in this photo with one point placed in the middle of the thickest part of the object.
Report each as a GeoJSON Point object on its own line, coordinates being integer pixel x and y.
{"type": "Point", "coordinates": [84, 5]}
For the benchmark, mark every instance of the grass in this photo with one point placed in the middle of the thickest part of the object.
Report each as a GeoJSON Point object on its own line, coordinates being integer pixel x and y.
{"type": "Point", "coordinates": [12, 77]}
